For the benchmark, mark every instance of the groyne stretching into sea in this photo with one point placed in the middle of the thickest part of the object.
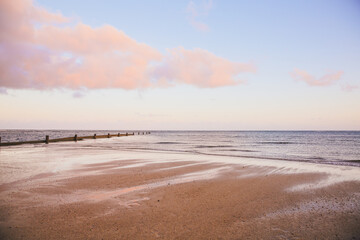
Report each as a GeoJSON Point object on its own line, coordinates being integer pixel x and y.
{"type": "Point", "coordinates": [75, 138]}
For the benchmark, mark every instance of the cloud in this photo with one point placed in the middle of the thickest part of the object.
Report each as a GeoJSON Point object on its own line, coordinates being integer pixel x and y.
{"type": "Point", "coordinates": [200, 68]}
{"type": "Point", "coordinates": [349, 87]}
{"type": "Point", "coordinates": [194, 12]}
{"type": "Point", "coordinates": [326, 80]}
{"type": "Point", "coordinates": [44, 50]}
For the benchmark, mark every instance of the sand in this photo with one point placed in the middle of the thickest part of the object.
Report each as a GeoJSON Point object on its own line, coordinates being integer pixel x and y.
{"type": "Point", "coordinates": [180, 200]}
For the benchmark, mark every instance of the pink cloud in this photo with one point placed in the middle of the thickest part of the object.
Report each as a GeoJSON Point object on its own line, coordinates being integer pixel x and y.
{"type": "Point", "coordinates": [325, 80]}
{"type": "Point", "coordinates": [200, 68]}
{"type": "Point", "coordinates": [53, 56]}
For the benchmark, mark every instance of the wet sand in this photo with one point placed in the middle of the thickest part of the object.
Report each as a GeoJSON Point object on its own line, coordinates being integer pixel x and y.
{"type": "Point", "coordinates": [179, 200]}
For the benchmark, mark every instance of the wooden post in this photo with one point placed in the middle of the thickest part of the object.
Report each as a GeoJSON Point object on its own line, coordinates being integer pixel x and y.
{"type": "Point", "coordinates": [75, 138]}
{"type": "Point", "coordinates": [47, 139]}
{"type": "Point", "coordinates": [126, 134]}
{"type": "Point", "coordinates": [118, 134]}
{"type": "Point", "coordinates": [0, 140]}
{"type": "Point", "coordinates": [95, 136]}
{"type": "Point", "coordinates": [108, 135]}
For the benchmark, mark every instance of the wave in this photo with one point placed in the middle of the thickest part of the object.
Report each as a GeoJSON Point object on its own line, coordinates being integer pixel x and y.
{"type": "Point", "coordinates": [169, 143]}
{"type": "Point", "coordinates": [213, 146]}
{"type": "Point", "coordinates": [317, 158]}
{"type": "Point", "coordinates": [274, 142]}
{"type": "Point", "coordinates": [239, 150]}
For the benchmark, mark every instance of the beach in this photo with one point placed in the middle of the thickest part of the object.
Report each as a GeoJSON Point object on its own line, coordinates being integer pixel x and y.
{"type": "Point", "coordinates": [193, 119]}
{"type": "Point", "coordinates": [104, 194]}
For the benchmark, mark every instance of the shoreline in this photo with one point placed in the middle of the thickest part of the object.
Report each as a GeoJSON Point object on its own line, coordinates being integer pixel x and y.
{"type": "Point", "coordinates": [61, 157]}
{"type": "Point", "coordinates": [324, 147]}
{"type": "Point", "coordinates": [183, 199]}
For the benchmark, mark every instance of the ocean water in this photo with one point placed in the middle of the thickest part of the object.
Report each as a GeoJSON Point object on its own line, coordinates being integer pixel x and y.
{"type": "Point", "coordinates": [323, 147]}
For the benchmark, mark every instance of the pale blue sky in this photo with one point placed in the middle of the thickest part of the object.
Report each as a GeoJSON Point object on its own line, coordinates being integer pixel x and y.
{"type": "Point", "coordinates": [319, 37]}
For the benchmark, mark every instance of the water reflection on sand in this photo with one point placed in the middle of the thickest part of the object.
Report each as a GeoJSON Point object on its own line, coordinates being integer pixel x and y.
{"type": "Point", "coordinates": [63, 160]}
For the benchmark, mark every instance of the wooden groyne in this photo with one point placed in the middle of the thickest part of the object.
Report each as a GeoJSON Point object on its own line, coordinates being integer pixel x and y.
{"type": "Point", "coordinates": [75, 138]}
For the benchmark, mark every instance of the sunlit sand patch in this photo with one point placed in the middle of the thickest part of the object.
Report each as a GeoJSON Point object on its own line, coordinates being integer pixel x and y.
{"type": "Point", "coordinates": [328, 174]}
{"type": "Point", "coordinates": [133, 202]}
{"type": "Point", "coordinates": [100, 170]}
{"type": "Point", "coordinates": [327, 180]}
{"type": "Point", "coordinates": [103, 195]}
{"type": "Point", "coordinates": [47, 193]}
{"type": "Point", "coordinates": [334, 174]}
{"type": "Point", "coordinates": [108, 164]}
{"type": "Point", "coordinates": [135, 165]}
{"type": "Point", "coordinates": [122, 203]}
{"type": "Point", "coordinates": [181, 166]}
{"type": "Point", "coordinates": [189, 177]}
{"type": "Point", "coordinates": [94, 170]}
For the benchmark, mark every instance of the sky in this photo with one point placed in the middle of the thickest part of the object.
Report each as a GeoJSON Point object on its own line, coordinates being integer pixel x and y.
{"type": "Point", "coordinates": [180, 65]}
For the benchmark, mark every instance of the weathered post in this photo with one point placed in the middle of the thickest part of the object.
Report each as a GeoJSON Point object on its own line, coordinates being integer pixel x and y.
{"type": "Point", "coordinates": [75, 138]}
{"type": "Point", "coordinates": [108, 135]}
{"type": "Point", "coordinates": [118, 134]}
{"type": "Point", "coordinates": [47, 139]}
{"type": "Point", "coordinates": [127, 134]}
{"type": "Point", "coordinates": [95, 136]}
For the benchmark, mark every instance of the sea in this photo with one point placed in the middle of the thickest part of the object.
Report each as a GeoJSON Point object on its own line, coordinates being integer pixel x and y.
{"type": "Point", "coordinates": [321, 147]}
